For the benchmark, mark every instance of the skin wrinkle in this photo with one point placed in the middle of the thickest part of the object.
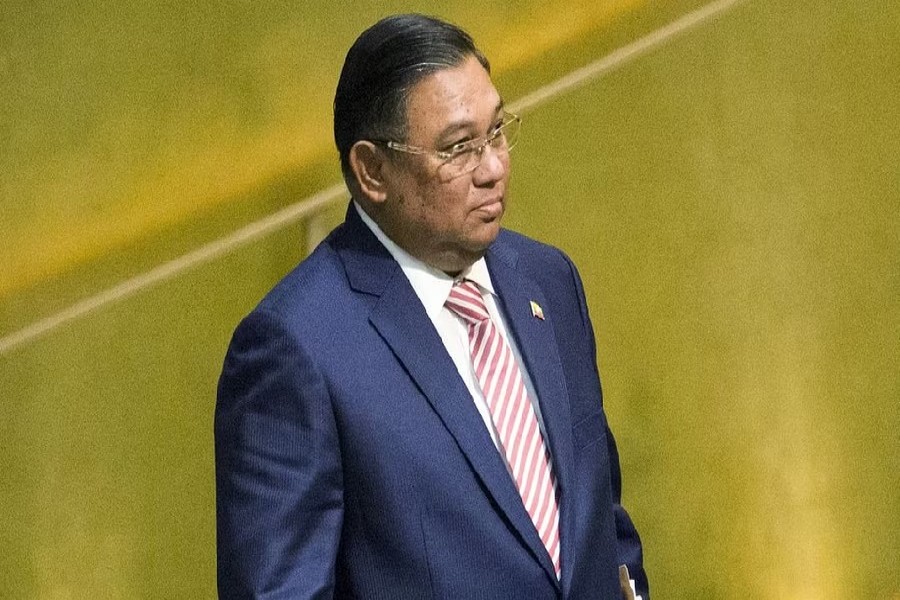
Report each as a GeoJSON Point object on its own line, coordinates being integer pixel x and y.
{"type": "Point", "coordinates": [447, 224]}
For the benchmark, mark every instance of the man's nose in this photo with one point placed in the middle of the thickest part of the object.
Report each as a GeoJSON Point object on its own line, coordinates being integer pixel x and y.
{"type": "Point", "coordinates": [492, 167]}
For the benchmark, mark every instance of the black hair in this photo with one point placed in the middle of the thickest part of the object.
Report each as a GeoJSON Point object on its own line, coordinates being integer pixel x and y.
{"type": "Point", "coordinates": [381, 68]}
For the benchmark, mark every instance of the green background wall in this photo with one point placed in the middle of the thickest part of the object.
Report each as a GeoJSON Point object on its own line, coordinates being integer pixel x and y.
{"type": "Point", "coordinates": [731, 197]}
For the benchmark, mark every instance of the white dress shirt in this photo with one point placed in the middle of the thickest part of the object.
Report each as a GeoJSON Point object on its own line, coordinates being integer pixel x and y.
{"type": "Point", "coordinates": [433, 288]}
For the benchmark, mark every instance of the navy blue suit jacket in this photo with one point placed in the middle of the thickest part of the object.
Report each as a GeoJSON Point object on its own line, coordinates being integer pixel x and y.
{"type": "Point", "coordinates": [351, 461]}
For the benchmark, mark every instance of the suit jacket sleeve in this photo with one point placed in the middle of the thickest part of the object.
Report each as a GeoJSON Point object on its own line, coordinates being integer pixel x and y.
{"type": "Point", "coordinates": [629, 550]}
{"type": "Point", "coordinates": [278, 477]}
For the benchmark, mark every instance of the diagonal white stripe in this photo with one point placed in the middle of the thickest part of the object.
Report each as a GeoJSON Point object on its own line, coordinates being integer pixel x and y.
{"type": "Point", "coordinates": [173, 268]}
{"type": "Point", "coordinates": [622, 56]}
{"type": "Point", "coordinates": [514, 418]}
{"type": "Point", "coordinates": [312, 204]}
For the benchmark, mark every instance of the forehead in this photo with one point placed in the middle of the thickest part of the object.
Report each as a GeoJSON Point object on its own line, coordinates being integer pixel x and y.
{"type": "Point", "coordinates": [455, 98]}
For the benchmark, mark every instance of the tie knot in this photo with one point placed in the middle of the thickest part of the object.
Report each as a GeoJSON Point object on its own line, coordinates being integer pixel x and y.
{"type": "Point", "coordinates": [465, 301]}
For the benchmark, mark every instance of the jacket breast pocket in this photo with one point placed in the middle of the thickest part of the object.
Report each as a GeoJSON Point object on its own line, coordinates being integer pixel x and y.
{"type": "Point", "coordinates": [589, 430]}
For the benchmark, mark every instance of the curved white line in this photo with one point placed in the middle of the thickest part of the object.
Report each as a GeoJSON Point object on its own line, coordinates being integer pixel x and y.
{"type": "Point", "coordinates": [621, 56]}
{"type": "Point", "coordinates": [168, 270]}
{"type": "Point", "coordinates": [312, 204]}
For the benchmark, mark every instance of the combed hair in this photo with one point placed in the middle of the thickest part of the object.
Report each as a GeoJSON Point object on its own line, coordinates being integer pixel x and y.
{"type": "Point", "coordinates": [381, 68]}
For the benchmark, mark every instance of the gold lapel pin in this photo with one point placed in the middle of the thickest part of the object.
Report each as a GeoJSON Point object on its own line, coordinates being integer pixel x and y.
{"type": "Point", "coordinates": [536, 310]}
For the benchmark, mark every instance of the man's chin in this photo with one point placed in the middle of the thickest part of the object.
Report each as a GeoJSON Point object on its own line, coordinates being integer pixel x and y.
{"type": "Point", "coordinates": [486, 235]}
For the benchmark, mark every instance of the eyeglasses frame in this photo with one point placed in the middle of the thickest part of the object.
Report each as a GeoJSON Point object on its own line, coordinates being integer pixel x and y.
{"type": "Point", "coordinates": [477, 145]}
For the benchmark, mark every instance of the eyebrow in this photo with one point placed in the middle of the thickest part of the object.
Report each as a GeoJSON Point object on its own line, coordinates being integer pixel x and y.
{"type": "Point", "coordinates": [465, 124]}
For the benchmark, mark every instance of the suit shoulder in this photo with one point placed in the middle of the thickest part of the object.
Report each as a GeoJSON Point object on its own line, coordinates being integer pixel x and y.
{"type": "Point", "coordinates": [533, 253]}
{"type": "Point", "coordinates": [316, 286]}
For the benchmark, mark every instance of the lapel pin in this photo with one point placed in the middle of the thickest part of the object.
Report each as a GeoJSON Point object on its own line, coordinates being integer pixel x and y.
{"type": "Point", "coordinates": [536, 310]}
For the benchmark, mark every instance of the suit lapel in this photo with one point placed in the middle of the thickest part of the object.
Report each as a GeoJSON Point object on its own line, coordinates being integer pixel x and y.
{"type": "Point", "coordinates": [400, 318]}
{"type": "Point", "coordinates": [537, 344]}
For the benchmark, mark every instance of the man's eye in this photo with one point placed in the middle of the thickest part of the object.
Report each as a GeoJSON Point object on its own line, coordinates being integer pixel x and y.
{"type": "Point", "coordinates": [459, 148]}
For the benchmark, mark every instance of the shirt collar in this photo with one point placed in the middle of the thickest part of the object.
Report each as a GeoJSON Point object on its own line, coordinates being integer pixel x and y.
{"type": "Point", "coordinates": [431, 285]}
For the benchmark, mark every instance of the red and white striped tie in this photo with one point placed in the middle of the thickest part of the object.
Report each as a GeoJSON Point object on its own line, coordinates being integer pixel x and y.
{"type": "Point", "coordinates": [512, 413]}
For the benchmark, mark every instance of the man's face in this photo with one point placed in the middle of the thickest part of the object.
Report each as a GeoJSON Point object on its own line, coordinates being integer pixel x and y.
{"type": "Point", "coordinates": [447, 222]}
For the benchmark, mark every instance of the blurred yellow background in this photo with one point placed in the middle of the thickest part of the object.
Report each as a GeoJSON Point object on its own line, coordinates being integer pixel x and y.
{"type": "Point", "coordinates": [730, 193]}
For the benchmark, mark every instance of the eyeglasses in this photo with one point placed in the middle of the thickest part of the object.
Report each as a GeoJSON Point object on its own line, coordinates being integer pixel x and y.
{"type": "Point", "coordinates": [465, 157]}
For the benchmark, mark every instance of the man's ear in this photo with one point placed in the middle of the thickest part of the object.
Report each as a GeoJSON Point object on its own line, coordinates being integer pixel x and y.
{"type": "Point", "coordinates": [367, 162]}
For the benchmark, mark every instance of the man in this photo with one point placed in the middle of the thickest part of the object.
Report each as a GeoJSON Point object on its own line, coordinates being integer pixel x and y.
{"type": "Point", "coordinates": [415, 411]}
